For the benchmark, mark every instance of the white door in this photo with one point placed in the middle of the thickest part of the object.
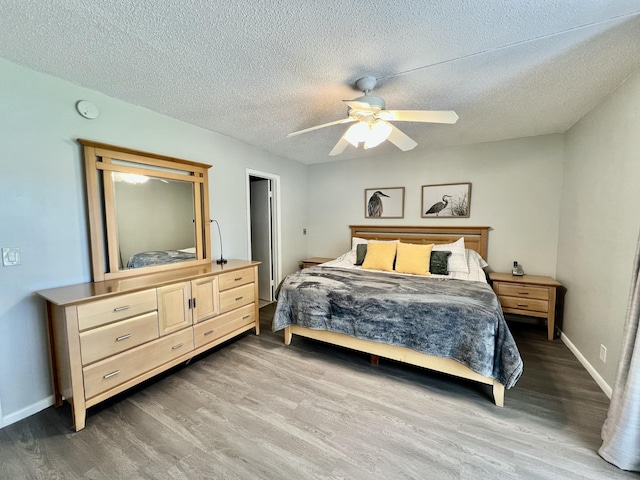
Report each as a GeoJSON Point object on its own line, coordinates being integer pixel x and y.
{"type": "Point", "coordinates": [261, 236]}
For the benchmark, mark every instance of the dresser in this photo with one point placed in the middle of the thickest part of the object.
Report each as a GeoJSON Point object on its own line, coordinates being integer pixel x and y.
{"type": "Point", "coordinates": [109, 336]}
{"type": "Point", "coordinates": [530, 295]}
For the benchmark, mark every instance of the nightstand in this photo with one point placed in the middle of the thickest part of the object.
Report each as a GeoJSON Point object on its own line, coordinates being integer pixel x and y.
{"type": "Point", "coordinates": [530, 295]}
{"type": "Point", "coordinates": [313, 261]}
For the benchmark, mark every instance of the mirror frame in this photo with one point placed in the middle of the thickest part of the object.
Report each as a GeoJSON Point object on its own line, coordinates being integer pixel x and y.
{"type": "Point", "coordinates": [101, 204]}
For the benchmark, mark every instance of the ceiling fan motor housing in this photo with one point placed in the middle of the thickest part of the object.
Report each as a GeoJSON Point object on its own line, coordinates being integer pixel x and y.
{"type": "Point", "coordinates": [375, 102]}
{"type": "Point", "coordinates": [366, 84]}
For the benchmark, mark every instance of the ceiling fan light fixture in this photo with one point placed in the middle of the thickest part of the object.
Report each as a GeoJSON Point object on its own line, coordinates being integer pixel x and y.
{"type": "Point", "coordinates": [379, 132]}
{"type": "Point", "coordinates": [356, 133]}
{"type": "Point", "coordinates": [371, 134]}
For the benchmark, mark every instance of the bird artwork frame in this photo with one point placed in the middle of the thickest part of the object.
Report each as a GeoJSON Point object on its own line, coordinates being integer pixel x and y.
{"type": "Point", "coordinates": [385, 202]}
{"type": "Point", "coordinates": [446, 200]}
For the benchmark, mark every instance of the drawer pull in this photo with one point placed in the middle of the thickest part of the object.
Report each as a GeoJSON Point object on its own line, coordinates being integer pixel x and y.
{"type": "Point", "coordinates": [237, 279]}
{"type": "Point", "coordinates": [523, 305]}
{"type": "Point", "coordinates": [123, 337]}
{"type": "Point", "coordinates": [120, 309]}
{"type": "Point", "coordinates": [208, 333]}
{"type": "Point", "coordinates": [523, 293]}
{"type": "Point", "coordinates": [194, 302]}
{"type": "Point", "coordinates": [245, 317]}
{"type": "Point", "coordinates": [175, 347]}
{"type": "Point", "coordinates": [112, 374]}
{"type": "Point", "coordinates": [238, 298]}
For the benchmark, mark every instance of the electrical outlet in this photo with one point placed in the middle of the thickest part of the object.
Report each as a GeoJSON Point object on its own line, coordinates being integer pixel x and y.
{"type": "Point", "coordinates": [603, 353]}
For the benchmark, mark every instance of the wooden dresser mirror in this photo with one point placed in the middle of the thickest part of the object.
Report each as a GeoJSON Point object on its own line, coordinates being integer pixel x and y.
{"type": "Point", "coordinates": [147, 212]}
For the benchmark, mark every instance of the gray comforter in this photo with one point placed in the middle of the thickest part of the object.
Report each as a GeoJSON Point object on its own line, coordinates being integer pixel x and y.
{"type": "Point", "coordinates": [442, 317]}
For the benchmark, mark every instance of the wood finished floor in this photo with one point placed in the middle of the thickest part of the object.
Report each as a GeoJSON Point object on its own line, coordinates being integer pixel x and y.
{"type": "Point", "coordinates": [258, 409]}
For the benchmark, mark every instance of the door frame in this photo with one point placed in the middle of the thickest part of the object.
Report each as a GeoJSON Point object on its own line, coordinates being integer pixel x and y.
{"type": "Point", "coordinates": [276, 225]}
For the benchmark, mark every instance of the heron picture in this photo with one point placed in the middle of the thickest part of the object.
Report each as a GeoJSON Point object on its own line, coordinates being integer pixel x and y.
{"type": "Point", "coordinates": [384, 202]}
{"type": "Point", "coordinates": [446, 200]}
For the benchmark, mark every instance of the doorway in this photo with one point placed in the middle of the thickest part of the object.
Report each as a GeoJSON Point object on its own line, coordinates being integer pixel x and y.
{"type": "Point", "coordinates": [264, 230]}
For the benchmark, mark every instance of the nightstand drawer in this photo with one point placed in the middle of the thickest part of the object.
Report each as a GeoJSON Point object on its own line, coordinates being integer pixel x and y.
{"type": "Point", "coordinates": [523, 291]}
{"type": "Point", "coordinates": [528, 304]}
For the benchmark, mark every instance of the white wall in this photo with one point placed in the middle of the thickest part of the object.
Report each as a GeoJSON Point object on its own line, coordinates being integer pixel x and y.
{"type": "Point", "coordinates": [515, 190]}
{"type": "Point", "coordinates": [600, 224]}
{"type": "Point", "coordinates": [42, 206]}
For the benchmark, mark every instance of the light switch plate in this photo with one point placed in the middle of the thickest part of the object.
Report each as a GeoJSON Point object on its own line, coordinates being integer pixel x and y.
{"type": "Point", "coordinates": [10, 257]}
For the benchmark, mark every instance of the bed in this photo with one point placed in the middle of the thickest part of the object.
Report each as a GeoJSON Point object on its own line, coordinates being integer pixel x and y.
{"type": "Point", "coordinates": [160, 257]}
{"type": "Point", "coordinates": [448, 323]}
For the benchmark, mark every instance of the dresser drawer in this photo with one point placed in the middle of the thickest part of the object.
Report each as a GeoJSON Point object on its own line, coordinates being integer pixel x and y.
{"type": "Point", "coordinates": [236, 297]}
{"type": "Point", "coordinates": [102, 342]}
{"type": "Point", "coordinates": [108, 373]}
{"type": "Point", "coordinates": [215, 328]}
{"type": "Point", "coordinates": [523, 291]}
{"type": "Point", "coordinates": [235, 279]}
{"type": "Point", "coordinates": [110, 310]}
{"type": "Point", "coordinates": [528, 304]}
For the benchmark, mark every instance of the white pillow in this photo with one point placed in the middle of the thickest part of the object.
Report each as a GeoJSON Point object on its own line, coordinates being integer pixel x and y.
{"type": "Point", "coordinates": [355, 241]}
{"type": "Point", "coordinates": [474, 260]}
{"type": "Point", "coordinates": [457, 259]}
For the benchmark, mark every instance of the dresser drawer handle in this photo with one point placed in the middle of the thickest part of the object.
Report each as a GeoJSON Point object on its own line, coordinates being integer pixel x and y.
{"type": "Point", "coordinates": [123, 337]}
{"type": "Point", "coordinates": [237, 279]}
{"type": "Point", "coordinates": [246, 316]}
{"type": "Point", "coordinates": [239, 298]}
{"type": "Point", "coordinates": [208, 333]}
{"type": "Point", "coordinates": [175, 347]}
{"type": "Point", "coordinates": [523, 293]}
{"type": "Point", "coordinates": [112, 374]}
{"type": "Point", "coordinates": [120, 309]}
{"type": "Point", "coordinates": [523, 305]}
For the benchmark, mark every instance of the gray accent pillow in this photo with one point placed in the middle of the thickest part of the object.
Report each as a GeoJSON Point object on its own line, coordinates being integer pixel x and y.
{"type": "Point", "coordinates": [361, 252]}
{"type": "Point", "coordinates": [438, 262]}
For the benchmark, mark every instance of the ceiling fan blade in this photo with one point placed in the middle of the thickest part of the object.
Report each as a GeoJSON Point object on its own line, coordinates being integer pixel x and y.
{"type": "Point", "coordinates": [431, 116]}
{"type": "Point", "coordinates": [339, 148]}
{"type": "Point", "coordinates": [400, 139]}
{"type": "Point", "coordinates": [355, 105]}
{"type": "Point", "coordinates": [310, 129]}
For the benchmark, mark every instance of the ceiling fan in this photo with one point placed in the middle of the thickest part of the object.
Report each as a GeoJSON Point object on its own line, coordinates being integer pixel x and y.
{"type": "Point", "coordinates": [373, 127]}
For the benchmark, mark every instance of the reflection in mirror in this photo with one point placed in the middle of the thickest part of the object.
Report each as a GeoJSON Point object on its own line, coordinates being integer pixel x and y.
{"type": "Point", "coordinates": [154, 219]}
{"type": "Point", "coordinates": [148, 213]}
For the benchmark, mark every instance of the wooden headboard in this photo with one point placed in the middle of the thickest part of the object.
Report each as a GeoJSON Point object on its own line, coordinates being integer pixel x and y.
{"type": "Point", "coordinates": [475, 238]}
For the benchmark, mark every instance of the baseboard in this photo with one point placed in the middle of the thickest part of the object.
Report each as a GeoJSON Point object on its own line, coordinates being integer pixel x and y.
{"type": "Point", "coordinates": [592, 371]}
{"type": "Point", "coordinates": [26, 412]}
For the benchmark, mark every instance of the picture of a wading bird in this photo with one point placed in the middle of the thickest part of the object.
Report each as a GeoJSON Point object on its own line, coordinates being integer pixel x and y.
{"type": "Point", "coordinates": [374, 207]}
{"type": "Point", "coordinates": [436, 207]}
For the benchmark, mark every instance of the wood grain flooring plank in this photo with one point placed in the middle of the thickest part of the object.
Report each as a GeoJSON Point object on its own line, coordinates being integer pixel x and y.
{"type": "Point", "coordinates": [257, 409]}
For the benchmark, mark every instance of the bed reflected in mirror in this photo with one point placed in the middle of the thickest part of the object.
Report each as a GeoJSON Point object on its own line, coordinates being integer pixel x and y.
{"type": "Point", "coordinates": [154, 219]}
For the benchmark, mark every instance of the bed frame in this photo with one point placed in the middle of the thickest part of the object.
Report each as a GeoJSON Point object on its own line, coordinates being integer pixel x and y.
{"type": "Point", "coordinates": [475, 238]}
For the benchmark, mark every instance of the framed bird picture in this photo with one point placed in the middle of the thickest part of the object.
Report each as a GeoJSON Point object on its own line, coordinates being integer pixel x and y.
{"type": "Point", "coordinates": [384, 202]}
{"type": "Point", "coordinates": [448, 200]}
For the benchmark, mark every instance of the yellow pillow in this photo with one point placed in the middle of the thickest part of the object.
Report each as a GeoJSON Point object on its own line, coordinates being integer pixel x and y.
{"type": "Point", "coordinates": [413, 258]}
{"type": "Point", "coordinates": [380, 256]}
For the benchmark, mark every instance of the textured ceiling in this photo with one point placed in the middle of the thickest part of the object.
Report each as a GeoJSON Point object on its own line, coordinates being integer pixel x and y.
{"type": "Point", "coordinates": [256, 70]}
